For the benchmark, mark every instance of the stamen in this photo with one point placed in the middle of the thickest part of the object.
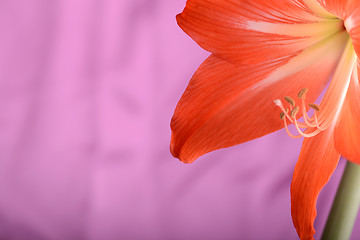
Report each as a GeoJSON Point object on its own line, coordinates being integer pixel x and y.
{"type": "Point", "coordinates": [290, 100]}
{"type": "Point", "coordinates": [312, 134]}
{"type": "Point", "coordinates": [282, 114]}
{"type": "Point", "coordinates": [285, 111]}
{"type": "Point", "coordinates": [314, 106]}
{"type": "Point", "coordinates": [302, 93]}
{"type": "Point", "coordinates": [294, 112]}
{"type": "Point", "coordinates": [317, 123]}
{"type": "Point", "coordinates": [309, 122]}
{"type": "Point", "coordinates": [288, 132]}
{"type": "Point", "coordinates": [301, 133]}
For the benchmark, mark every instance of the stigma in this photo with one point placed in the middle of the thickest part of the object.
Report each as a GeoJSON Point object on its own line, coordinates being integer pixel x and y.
{"type": "Point", "coordinates": [293, 112]}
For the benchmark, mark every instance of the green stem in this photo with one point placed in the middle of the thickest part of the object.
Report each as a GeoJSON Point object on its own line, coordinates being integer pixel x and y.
{"type": "Point", "coordinates": [346, 205]}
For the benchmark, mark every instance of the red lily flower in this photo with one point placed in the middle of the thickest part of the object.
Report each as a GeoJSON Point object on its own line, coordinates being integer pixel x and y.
{"type": "Point", "coordinates": [263, 51]}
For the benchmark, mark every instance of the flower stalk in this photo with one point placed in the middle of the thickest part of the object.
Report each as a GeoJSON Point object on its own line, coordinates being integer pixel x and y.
{"type": "Point", "coordinates": [346, 205]}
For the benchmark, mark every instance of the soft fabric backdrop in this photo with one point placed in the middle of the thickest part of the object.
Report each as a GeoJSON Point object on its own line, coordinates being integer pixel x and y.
{"type": "Point", "coordinates": [87, 91]}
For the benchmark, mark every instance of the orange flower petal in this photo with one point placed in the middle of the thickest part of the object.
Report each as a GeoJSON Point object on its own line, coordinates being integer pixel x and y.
{"type": "Point", "coordinates": [339, 8]}
{"type": "Point", "coordinates": [317, 161]}
{"type": "Point", "coordinates": [352, 24]}
{"type": "Point", "coordinates": [226, 104]}
{"type": "Point", "coordinates": [255, 31]}
{"type": "Point", "coordinates": [349, 11]}
{"type": "Point", "coordinates": [347, 132]}
{"type": "Point", "coordinates": [336, 92]}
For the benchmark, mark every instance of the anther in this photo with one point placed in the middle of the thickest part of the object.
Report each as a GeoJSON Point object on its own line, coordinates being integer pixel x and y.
{"type": "Point", "coordinates": [314, 106]}
{"type": "Point", "coordinates": [282, 114]}
{"type": "Point", "coordinates": [294, 111]}
{"type": "Point", "coordinates": [290, 100]}
{"type": "Point", "coordinates": [302, 93]}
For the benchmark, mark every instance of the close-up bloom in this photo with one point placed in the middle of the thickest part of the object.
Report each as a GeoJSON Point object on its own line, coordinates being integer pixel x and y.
{"type": "Point", "coordinates": [270, 62]}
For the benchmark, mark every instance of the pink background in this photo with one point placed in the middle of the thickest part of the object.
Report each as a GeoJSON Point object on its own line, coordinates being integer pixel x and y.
{"type": "Point", "coordinates": [87, 91]}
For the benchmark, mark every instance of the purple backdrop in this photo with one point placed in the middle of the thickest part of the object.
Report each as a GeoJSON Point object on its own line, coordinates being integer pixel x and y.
{"type": "Point", "coordinates": [87, 91]}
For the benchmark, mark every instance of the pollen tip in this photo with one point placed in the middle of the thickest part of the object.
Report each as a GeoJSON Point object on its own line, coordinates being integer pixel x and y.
{"type": "Point", "coordinates": [294, 111]}
{"type": "Point", "coordinates": [282, 115]}
{"type": "Point", "coordinates": [302, 93]}
{"type": "Point", "coordinates": [277, 102]}
{"type": "Point", "coordinates": [314, 106]}
{"type": "Point", "coordinates": [290, 100]}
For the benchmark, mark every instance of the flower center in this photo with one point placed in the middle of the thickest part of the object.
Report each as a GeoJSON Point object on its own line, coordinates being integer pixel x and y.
{"type": "Point", "coordinates": [327, 113]}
